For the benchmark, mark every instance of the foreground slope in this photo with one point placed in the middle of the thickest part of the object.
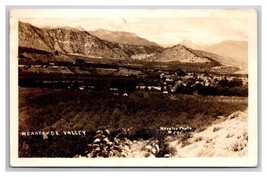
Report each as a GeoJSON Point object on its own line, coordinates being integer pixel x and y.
{"type": "Point", "coordinates": [228, 138]}
{"type": "Point", "coordinates": [225, 139]}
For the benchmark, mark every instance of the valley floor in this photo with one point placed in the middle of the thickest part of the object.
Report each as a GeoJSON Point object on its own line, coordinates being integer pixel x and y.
{"type": "Point", "coordinates": [216, 126]}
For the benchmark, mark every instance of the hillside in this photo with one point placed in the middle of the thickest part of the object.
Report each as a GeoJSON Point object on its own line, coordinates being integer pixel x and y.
{"type": "Point", "coordinates": [33, 37]}
{"type": "Point", "coordinates": [78, 42]}
{"type": "Point", "coordinates": [185, 55]}
{"type": "Point", "coordinates": [67, 40]}
{"type": "Point", "coordinates": [228, 138]}
{"type": "Point", "coordinates": [122, 37]}
{"type": "Point", "coordinates": [139, 51]}
{"type": "Point", "coordinates": [178, 53]}
{"type": "Point", "coordinates": [225, 139]}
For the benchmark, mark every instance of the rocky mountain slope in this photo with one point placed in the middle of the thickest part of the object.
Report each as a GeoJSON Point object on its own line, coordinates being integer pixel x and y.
{"type": "Point", "coordinates": [184, 54]}
{"type": "Point", "coordinates": [77, 41]}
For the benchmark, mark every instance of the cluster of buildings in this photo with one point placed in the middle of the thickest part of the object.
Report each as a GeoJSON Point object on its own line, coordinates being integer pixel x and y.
{"type": "Point", "coordinates": [169, 83]}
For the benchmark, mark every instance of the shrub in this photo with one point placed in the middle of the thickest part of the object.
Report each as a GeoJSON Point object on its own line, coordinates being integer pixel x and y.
{"type": "Point", "coordinates": [200, 138]}
{"type": "Point", "coordinates": [105, 145]}
{"type": "Point", "coordinates": [215, 129]}
{"type": "Point", "coordinates": [238, 146]}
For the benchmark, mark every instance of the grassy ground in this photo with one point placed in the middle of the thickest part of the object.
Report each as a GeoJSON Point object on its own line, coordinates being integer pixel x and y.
{"type": "Point", "coordinates": [225, 139]}
{"type": "Point", "coordinates": [144, 113]}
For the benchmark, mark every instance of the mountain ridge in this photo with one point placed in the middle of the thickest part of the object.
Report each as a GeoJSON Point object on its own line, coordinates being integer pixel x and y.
{"type": "Point", "coordinates": [184, 54]}
{"type": "Point", "coordinates": [126, 37]}
{"type": "Point", "coordinates": [77, 41]}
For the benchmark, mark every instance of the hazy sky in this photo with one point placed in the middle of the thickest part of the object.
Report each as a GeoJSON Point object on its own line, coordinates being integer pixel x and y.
{"type": "Point", "coordinates": [162, 26]}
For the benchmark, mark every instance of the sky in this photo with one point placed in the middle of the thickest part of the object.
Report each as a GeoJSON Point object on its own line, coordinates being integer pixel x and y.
{"type": "Point", "coordinates": [163, 26]}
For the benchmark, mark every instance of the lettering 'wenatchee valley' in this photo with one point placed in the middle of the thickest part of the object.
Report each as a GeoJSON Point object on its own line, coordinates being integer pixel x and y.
{"type": "Point", "coordinates": [53, 133]}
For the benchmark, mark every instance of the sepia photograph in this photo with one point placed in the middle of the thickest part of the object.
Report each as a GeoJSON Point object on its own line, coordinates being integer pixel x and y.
{"type": "Point", "coordinates": [133, 87]}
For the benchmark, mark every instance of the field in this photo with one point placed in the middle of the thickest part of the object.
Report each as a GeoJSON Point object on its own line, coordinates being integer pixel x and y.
{"type": "Point", "coordinates": [143, 113]}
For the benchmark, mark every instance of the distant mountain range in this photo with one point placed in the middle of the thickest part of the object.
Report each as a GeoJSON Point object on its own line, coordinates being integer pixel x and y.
{"type": "Point", "coordinates": [192, 45]}
{"type": "Point", "coordinates": [235, 53]}
{"type": "Point", "coordinates": [124, 45]}
{"type": "Point", "coordinates": [122, 37]}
